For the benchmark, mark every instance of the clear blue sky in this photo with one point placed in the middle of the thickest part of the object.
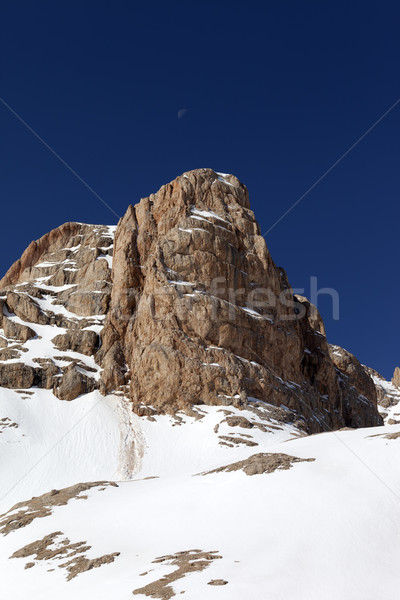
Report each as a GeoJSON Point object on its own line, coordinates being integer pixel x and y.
{"type": "Point", "coordinates": [275, 92]}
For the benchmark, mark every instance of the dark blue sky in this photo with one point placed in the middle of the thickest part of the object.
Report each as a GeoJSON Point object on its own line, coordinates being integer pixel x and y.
{"type": "Point", "coordinates": [275, 92]}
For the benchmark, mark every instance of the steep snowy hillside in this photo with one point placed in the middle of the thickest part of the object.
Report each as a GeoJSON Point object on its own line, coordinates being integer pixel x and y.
{"type": "Point", "coordinates": [47, 443]}
{"type": "Point", "coordinates": [50, 323]}
{"type": "Point", "coordinates": [308, 517]}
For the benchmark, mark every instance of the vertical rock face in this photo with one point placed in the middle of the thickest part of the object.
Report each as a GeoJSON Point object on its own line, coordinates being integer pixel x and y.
{"type": "Point", "coordinates": [53, 303]}
{"type": "Point", "coordinates": [396, 378]}
{"type": "Point", "coordinates": [199, 313]}
{"type": "Point", "coordinates": [194, 312]}
{"type": "Point", "coordinates": [357, 387]}
{"type": "Point", "coordinates": [388, 395]}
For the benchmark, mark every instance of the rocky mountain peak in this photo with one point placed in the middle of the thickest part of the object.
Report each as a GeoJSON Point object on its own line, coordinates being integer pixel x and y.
{"type": "Point", "coordinates": [194, 312]}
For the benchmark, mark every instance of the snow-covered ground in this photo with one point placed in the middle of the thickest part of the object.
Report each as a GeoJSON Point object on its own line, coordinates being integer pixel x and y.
{"type": "Point", "coordinates": [322, 529]}
{"type": "Point", "coordinates": [48, 443]}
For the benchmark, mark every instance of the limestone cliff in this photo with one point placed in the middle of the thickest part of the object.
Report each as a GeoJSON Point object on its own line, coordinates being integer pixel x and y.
{"type": "Point", "coordinates": [53, 302]}
{"type": "Point", "coordinates": [194, 312]}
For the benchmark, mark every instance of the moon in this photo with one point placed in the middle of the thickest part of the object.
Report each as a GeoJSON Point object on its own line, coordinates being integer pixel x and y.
{"type": "Point", "coordinates": [182, 112]}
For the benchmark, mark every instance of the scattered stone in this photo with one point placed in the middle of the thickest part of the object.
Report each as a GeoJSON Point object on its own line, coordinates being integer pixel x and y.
{"type": "Point", "coordinates": [7, 423]}
{"type": "Point", "coordinates": [17, 331]}
{"type": "Point", "coordinates": [386, 436]}
{"type": "Point", "coordinates": [236, 440]}
{"type": "Point", "coordinates": [239, 422]}
{"type": "Point", "coordinates": [49, 548]}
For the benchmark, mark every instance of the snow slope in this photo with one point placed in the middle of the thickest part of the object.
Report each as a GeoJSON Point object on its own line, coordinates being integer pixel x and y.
{"type": "Point", "coordinates": [323, 529]}
{"type": "Point", "coordinates": [47, 443]}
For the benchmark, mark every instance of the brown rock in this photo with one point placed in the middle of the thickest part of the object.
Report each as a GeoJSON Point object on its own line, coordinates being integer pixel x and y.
{"type": "Point", "coordinates": [396, 377]}
{"type": "Point", "coordinates": [50, 547]}
{"type": "Point", "coordinates": [200, 314]}
{"type": "Point", "coordinates": [387, 395]}
{"type": "Point", "coordinates": [83, 341]}
{"type": "Point", "coordinates": [9, 354]}
{"type": "Point", "coordinates": [25, 308]}
{"type": "Point", "coordinates": [16, 331]}
{"type": "Point", "coordinates": [64, 276]}
{"type": "Point", "coordinates": [47, 373]}
{"type": "Point", "coordinates": [72, 385]}
{"type": "Point", "coordinates": [38, 507]}
{"type": "Point", "coordinates": [87, 302]}
{"type": "Point", "coordinates": [17, 375]}
{"type": "Point", "coordinates": [183, 562]}
{"type": "Point", "coordinates": [36, 250]}
{"type": "Point", "coordinates": [239, 422]}
{"type": "Point", "coordinates": [196, 311]}
{"type": "Point", "coordinates": [261, 463]}
{"type": "Point", "coordinates": [359, 395]}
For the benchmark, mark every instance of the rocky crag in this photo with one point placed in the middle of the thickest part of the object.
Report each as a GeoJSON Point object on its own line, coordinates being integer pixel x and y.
{"type": "Point", "coordinates": [53, 304]}
{"type": "Point", "coordinates": [180, 305]}
{"type": "Point", "coordinates": [388, 395]}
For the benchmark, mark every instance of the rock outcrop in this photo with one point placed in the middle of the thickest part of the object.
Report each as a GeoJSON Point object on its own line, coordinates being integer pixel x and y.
{"type": "Point", "coordinates": [396, 378]}
{"type": "Point", "coordinates": [358, 388]}
{"type": "Point", "coordinates": [194, 312]}
{"type": "Point", "coordinates": [53, 303]}
{"type": "Point", "coordinates": [388, 396]}
{"type": "Point", "coordinates": [199, 313]}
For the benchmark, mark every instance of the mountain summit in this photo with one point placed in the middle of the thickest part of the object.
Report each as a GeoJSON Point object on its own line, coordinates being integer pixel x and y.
{"type": "Point", "coordinates": [182, 307]}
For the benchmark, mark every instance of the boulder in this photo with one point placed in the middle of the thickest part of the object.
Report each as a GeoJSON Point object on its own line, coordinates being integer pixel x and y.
{"type": "Point", "coordinates": [17, 331]}
{"type": "Point", "coordinates": [83, 341]}
{"type": "Point", "coordinates": [17, 375]}
{"type": "Point", "coordinates": [25, 308]}
{"type": "Point", "coordinates": [71, 385]}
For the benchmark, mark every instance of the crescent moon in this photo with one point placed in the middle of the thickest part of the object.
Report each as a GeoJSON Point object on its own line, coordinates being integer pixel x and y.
{"type": "Point", "coordinates": [182, 112]}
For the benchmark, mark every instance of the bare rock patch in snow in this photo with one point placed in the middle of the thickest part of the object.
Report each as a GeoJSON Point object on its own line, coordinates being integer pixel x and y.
{"type": "Point", "coordinates": [51, 548]}
{"type": "Point", "coordinates": [239, 422]}
{"type": "Point", "coordinates": [23, 513]}
{"type": "Point", "coordinates": [257, 464]}
{"type": "Point", "coordinates": [187, 561]}
{"type": "Point", "coordinates": [217, 582]}
{"type": "Point", "coordinates": [5, 423]}
{"type": "Point", "coordinates": [387, 436]}
{"type": "Point", "coordinates": [227, 440]}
